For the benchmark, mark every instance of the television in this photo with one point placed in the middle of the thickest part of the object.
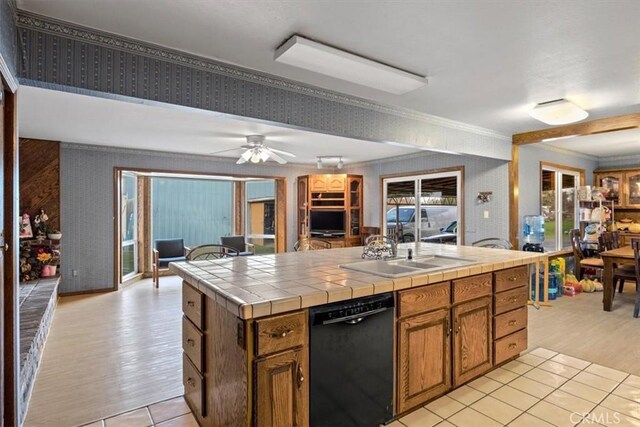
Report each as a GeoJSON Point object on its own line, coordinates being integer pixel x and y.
{"type": "Point", "coordinates": [327, 223]}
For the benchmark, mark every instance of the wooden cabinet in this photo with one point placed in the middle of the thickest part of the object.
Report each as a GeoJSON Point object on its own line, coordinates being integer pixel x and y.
{"type": "Point", "coordinates": [281, 390]}
{"type": "Point", "coordinates": [632, 189]}
{"type": "Point", "coordinates": [472, 345]}
{"type": "Point", "coordinates": [424, 358]}
{"type": "Point", "coordinates": [625, 238]}
{"type": "Point", "coordinates": [331, 192]}
{"type": "Point", "coordinates": [193, 355]}
{"type": "Point", "coordinates": [511, 293]}
{"type": "Point", "coordinates": [623, 186]}
{"type": "Point", "coordinates": [613, 182]}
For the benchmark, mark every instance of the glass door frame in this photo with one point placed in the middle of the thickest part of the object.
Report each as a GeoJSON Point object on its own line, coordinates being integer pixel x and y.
{"type": "Point", "coordinates": [417, 178]}
{"type": "Point", "coordinates": [559, 170]}
{"type": "Point", "coordinates": [132, 242]}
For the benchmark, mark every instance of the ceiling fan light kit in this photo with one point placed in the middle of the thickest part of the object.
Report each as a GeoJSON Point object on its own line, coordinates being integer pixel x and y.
{"type": "Point", "coordinates": [558, 112]}
{"type": "Point", "coordinates": [257, 152]}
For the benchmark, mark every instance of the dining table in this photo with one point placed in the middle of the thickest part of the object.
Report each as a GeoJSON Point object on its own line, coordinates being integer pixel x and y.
{"type": "Point", "coordinates": [611, 258]}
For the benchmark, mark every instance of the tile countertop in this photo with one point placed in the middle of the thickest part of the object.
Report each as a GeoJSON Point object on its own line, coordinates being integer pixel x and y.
{"type": "Point", "coordinates": [261, 285]}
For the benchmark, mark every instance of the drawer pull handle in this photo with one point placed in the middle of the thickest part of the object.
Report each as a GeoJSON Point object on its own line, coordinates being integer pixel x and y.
{"type": "Point", "coordinates": [446, 326]}
{"type": "Point", "coordinates": [512, 346]}
{"type": "Point", "coordinates": [191, 342]}
{"type": "Point", "coordinates": [512, 322]}
{"type": "Point", "coordinates": [191, 303]}
{"type": "Point", "coordinates": [191, 382]}
{"type": "Point", "coordinates": [457, 326]}
{"type": "Point", "coordinates": [300, 376]}
{"type": "Point", "coordinates": [513, 299]}
{"type": "Point", "coordinates": [513, 279]}
{"type": "Point", "coordinates": [282, 334]}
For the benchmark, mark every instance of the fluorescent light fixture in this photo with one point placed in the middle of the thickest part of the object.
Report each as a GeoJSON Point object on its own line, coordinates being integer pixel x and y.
{"type": "Point", "coordinates": [323, 59]}
{"type": "Point", "coordinates": [558, 112]}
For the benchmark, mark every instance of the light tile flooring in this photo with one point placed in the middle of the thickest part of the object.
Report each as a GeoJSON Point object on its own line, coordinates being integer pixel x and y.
{"type": "Point", "coordinates": [169, 413]}
{"type": "Point", "coordinates": [541, 388]}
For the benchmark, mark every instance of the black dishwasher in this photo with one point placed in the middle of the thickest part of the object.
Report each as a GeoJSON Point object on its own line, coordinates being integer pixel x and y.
{"type": "Point", "coordinates": [351, 362]}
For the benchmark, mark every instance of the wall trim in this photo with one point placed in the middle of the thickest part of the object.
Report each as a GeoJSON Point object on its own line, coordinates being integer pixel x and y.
{"type": "Point", "coordinates": [568, 152]}
{"type": "Point", "coordinates": [53, 26]}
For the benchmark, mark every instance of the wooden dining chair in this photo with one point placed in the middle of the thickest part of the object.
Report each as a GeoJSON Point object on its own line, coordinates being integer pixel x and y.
{"type": "Point", "coordinates": [581, 262]}
{"type": "Point", "coordinates": [306, 244]}
{"type": "Point", "coordinates": [635, 244]}
{"type": "Point", "coordinates": [607, 241]}
{"type": "Point", "coordinates": [212, 251]}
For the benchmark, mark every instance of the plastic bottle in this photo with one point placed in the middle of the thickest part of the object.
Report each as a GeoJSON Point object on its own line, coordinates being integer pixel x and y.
{"type": "Point", "coordinates": [533, 228]}
{"type": "Point", "coordinates": [553, 286]}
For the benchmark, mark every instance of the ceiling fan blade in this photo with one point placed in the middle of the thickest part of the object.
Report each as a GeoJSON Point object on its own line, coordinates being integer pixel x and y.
{"type": "Point", "coordinates": [277, 158]}
{"type": "Point", "coordinates": [223, 151]}
{"type": "Point", "coordinates": [286, 153]}
{"type": "Point", "coordinates": [240, 161]}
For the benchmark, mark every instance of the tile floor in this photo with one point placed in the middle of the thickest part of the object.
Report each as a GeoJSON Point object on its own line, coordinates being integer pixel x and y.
{"type": "Point", "coordinates": [169, 413]}
{"type": "Point", "coordinates": [541, 388]}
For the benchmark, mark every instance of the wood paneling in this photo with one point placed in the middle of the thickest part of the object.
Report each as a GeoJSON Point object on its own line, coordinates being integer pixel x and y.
{"type": "Point", "coordinates": [11, 255]}
{"type": "Point", "coordinates": [424, 359]}
{"type": "Point", "coordinates": [281, 215]}
{"type": "Point", "coordinates": [239, 202]}
{"type": "Point", "coordinates": [423, 299]}
{"type": "Point", "coordinates": [472, 344]}
{"type": "Point", "coordinates": [280, 333]}
{"type": "Point", "coordinates": [514, 196]}
{"type": "Point", "coordinates": [40, 178]}
{"type": "Point", "coordinates": [609, 124]}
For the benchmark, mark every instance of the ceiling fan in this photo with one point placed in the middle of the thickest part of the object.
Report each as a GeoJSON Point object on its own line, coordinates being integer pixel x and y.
{"type": "Point", "coordinates": [256, 151]}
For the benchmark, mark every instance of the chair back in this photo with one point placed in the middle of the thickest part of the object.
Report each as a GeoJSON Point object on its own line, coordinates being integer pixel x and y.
{"type": "Point", "coordinates": [578, 255]}
{"type": "Point", "coordinates": [609, 240]}
{"type": "Point", "coordinates": [236, 242]}
{"type": "Point", "coordinates": [304, 245]}
{"type": "Point", "coordinates": [169, 248]}
{"type": "Point", "coordinates": [205, 252]}
{"type": "Point", "coordinates": [635, 244]}
{"type": "Point", "coordinates": [493, 242]}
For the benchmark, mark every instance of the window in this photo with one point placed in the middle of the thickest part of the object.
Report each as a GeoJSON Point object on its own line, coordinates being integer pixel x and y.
{"type": "Point", "coordinates": [559, 205]}
{"type": "Point", "coordinates": [129, 223]}
{"type": "Point", "coordinates": [261, 215]}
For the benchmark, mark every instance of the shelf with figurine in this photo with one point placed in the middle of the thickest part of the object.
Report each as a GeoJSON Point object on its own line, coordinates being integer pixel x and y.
{"type": "Point", "coordinates": [595, 213]}
{"type": "Point", "coordinates": [39, 247]}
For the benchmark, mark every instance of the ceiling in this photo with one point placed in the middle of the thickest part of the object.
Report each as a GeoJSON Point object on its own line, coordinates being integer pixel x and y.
{"type": "Point", "coordinates": [488, 62]}
{"type": "Point", "coordinates": [619, 143]}
{"type": "Point", "coordinates": [107, 122]}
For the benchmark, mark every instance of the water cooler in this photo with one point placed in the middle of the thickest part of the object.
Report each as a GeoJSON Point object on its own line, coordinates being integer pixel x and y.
{"type": "Point", "coordinates": [533, 233]}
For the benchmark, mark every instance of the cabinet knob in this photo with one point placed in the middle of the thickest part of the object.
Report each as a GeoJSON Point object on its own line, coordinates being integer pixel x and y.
{"type": "Point", "coordinates": [513, 279]}
{"type": "Point", "coordinates": [512, 346]}
{"type": "Point", "coordinates": [282, 334]}
{"type": "Point", "coordinates": [300, 376]}
{"type": "Point", "coordinates": [457, 326]}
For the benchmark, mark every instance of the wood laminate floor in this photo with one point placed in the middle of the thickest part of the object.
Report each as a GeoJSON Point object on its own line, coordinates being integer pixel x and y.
{"type": "Point", "coordinates": [109, 353]}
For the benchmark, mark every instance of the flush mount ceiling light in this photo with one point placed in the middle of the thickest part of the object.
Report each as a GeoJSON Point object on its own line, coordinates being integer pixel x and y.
{"type": "Point", "coordinates": [323, 59]}
{"type": "Point", "coordinates": [322, 159]}
{"type": "Point", "coordinates": [558, 112]}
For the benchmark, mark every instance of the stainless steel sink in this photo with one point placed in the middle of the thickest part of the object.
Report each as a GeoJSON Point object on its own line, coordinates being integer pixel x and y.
{"type": "Point", "coordinates": [399, 267]}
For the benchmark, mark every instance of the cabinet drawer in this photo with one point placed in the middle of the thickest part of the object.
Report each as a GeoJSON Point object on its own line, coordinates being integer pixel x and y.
{"type": "Point", "coordinates": [510, 300]}
{"type": "Point", "coordinates": [472, 287]}
{"type": "Point", "coordinates": [194, 389]}
{"type": "Point", "coordinates": [510, 346]}
{"type": "Point", "coordinates": [280, 333]}
{"type": "Point", "coordinates": [512, 278]}
{"type": "Point", "coordinates": [425, 298]}
{"type": "Point", "coordinates": [509, 322]}
{"type": "Point", "coordinates": [192, 304]}
{"type": "Point", "coordinates": [192, 343]}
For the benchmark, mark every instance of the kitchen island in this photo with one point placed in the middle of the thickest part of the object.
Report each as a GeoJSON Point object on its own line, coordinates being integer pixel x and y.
{"type": "Point", "coordinates": [246, 331]}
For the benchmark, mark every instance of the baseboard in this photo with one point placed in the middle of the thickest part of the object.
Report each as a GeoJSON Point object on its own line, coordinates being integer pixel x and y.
{"type": "Point", "coordinates": [87, 292]}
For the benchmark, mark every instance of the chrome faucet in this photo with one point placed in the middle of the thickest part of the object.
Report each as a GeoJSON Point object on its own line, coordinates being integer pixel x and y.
{"type": "Point", "coordinates": [410, 254]}
{"type": "Point", "coordinates": [394, 248]}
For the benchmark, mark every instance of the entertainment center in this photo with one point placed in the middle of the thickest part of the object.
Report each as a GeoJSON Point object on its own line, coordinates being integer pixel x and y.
{"type": "Point", "coordinates": [330, 208]}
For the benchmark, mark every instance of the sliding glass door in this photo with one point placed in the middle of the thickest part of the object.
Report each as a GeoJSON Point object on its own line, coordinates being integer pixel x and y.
{"type": "Point", "coordinates": [129, 224]}
{"type": "Point", "coordinates": [558, 206]}
{"type": "Point", "coordinates": [423, 207]}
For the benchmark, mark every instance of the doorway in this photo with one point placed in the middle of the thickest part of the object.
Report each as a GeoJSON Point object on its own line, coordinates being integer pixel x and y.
{"type": "Point", "coordinates": [424, 207]}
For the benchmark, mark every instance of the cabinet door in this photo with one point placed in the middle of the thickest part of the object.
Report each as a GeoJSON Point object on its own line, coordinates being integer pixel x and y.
{"type": "Point", "coordinates": [335, 182]}
{"type": "Point", "coordinates": [613, 182]}
{"type": "Point", "coordinates": [318, 183]}
{"type": "Point", "coordinates": [472, 344]}
{"type": "Point", "coordinates": [424, 358]}
{"type": "Point", "coordinates": [303, 206]}
{"type": "Point", "coordinates": [282, 393]}
{"type": "Point", "coordinates": [632, 189]}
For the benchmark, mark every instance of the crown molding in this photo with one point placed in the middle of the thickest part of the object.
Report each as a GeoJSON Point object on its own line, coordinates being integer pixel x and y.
{"type": "Point", "coordinates": [28, 20]}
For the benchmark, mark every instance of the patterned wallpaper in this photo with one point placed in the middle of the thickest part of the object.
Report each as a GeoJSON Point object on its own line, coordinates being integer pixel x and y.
{"type": "Point", "coordinates": [8, 40]}
{"type": "Point", "coordinates": [69, 57]}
